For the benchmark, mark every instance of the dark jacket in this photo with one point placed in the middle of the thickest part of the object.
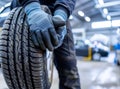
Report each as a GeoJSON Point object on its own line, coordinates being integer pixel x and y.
{"type": "Point", "coordinates": [67, 5]}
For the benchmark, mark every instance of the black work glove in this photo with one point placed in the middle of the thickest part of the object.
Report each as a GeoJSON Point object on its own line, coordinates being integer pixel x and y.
{"type": "Point", "coordinates": [42, 30]}
{"type": "Point", "coordinates": [60, 17]}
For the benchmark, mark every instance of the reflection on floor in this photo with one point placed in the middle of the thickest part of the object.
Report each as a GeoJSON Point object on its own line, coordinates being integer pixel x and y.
{"type": "Point", "coordinates": [99, 75]}
{"type": "Point", "coordinates": [94, 75]}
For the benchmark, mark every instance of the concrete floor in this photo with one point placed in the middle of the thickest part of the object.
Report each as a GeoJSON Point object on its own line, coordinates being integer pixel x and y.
{"type": "Point", "coordinates": [94, 75]}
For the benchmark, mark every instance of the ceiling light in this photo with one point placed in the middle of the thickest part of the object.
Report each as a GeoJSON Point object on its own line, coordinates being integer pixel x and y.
{"type": "Point", "coordinates": [81, 13]}
{"type": "Point", "coordinates": [101, 2]}
{"type": "Point", "coordinates": [106, 24]}
{"type": "Point", "coordinates": [105, 10]}
{"type": "Point", "coordinates": [108, 17]}
{"type": "Point", "coordinates": [71, 17]}
{"type": "Point", "coordinates": [102, 24]}
{"type": "Point", "coordinates": [116, 23]}
{"type": "Point", "coordinates": [87, 19]}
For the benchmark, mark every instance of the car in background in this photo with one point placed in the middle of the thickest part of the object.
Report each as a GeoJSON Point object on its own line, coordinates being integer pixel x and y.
{"type": "Point", "coordinates": [96, 50]}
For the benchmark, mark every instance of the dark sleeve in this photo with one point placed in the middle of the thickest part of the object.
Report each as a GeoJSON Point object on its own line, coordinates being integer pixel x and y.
{"type": "Point", "coordinates": [25, 2]}
{"type": "Point", "coordinates": [66, 5]}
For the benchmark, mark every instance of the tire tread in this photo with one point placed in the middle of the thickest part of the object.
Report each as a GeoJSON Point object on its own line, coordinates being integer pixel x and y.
{"type": "Point", "coordinates": [22, 63]}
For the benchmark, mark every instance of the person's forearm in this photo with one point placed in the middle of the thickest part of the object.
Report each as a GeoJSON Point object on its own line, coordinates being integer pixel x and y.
{"type": "Point", "coordinates": [29, 8]}
{"type": "Point", "coordinates": [25, 2]}
{"type": "Point", "coordinates": [66, 5]}
{"type": "Point", "coordinates": [62, 12]}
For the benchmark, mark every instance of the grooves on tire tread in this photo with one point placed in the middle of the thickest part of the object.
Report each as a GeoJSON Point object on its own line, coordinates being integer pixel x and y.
{"type": "Point", "coordinates": [23, 65]}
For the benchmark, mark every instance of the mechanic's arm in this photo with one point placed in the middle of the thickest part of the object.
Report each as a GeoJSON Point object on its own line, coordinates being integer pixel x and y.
{"type": "Point", "coordinates": [62, 10]}
{"type": "Point", "coordinates": [42, 30]}
{"type": "Point", "coordinates": [65, 5]}
{"type": "Point", "coordinates": [25, 2]}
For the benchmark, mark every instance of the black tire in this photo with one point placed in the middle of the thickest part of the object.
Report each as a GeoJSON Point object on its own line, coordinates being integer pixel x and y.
{"type": "Point", "coordinates": [24, 65]}
{"type": "Point", "coordinates": [96, 57]}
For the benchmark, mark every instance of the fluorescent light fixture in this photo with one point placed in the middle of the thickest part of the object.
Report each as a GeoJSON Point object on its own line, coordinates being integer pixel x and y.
{"type": "Point", "coordinates": [108, 17]}
{"type": "Point", "coordinates": [87, 19]}
{"type": "Point", "coordinates": [81, 13]}
{"type": "Point", "coordinates": [102, 24]}
{"type": "Point", "coordinates": [105, 10]}
{"type": "Point", "coordinates": [116, 23]}
{"type": "Point", "coordinates": [101, 2]}
{"type": "Point", "coordinates": [106, 24]}
{"type": "Point", "coordinates": [107, 4]}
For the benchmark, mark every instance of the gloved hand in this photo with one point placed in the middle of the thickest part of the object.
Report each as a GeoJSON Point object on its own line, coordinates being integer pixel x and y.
{"type": "Point", "coordinates": [41, 27]}
{"type": "Point", "coordinates": [60, 17]}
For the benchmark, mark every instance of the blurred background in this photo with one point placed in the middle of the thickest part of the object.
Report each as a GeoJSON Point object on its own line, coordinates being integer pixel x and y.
{"type": "Point", "coordinates": [96, 28]}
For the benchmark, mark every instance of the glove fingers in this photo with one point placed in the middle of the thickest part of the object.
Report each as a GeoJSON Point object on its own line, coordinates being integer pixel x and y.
{"type": "Point", "coordinates": [40, 41]}
{"type": "Point", "coordinates": [53, 35]}
{"type": "Point", "coordinates": [58, 22]}
{"type": "Point", "coordinates": [62, 31]}
{"type": "Point", "coordinates": [34, 40]}
{"type": "Point", "coordinates": [59, 30]}
{"type": "Point", "coordinates": [47, 40]}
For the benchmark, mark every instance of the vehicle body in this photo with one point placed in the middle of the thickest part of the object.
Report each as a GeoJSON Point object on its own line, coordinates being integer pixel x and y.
{"type": "Point", "coordinates": [95, 51]}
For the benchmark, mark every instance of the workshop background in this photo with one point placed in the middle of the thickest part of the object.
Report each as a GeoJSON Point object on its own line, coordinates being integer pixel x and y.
{"type": "Point", "coordinates": [96, 28]}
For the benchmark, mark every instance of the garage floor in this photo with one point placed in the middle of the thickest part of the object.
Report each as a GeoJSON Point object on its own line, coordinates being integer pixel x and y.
{"type": "Point", "coordinates": [94, 75]}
